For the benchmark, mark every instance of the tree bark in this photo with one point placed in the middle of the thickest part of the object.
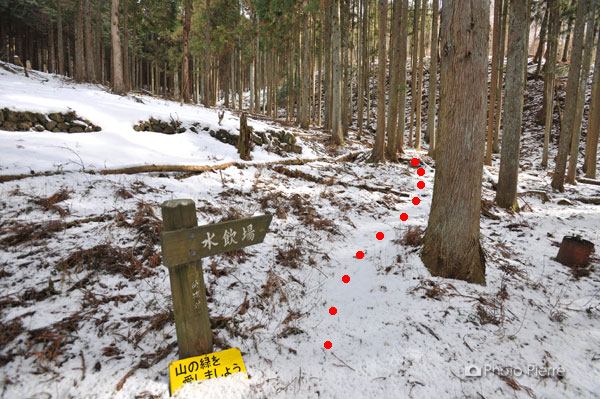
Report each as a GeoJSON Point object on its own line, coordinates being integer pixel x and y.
{"type": "Point", "coordinates": [51, 46]}
{"type": "Point", "coordinates": [207, 89]}
{"type": "Point", "coordinates": [451, 246]}
{"type": "Point", "coordinates": [336, 105]}
{"type": "Point", "coordinates": [363, 67]}
{"type": "Point", "coordinates": [394, 76]}
{"type": "Point", "coordinates": [591, 148]}
{"type": "Point", "coordinates": [305, 112]}
{"type": "Point", "coordinates": [378, 149]}
{"type": "Point", "coordinates": [90, 59]}
{"type": "Point", "coordinates": [581, 92]}
{"type": "Point", "coordinates": [402, 93]}
{"type": "Point", "coordinates": [419, 102]}
{"type": "Point", "coordinates": [549, 75]}
{"type": "Point", "coordinates": [117, 78]}
{"type": "Point", "coordinates": [413, 71]}
{"type": "Point", "coordinates": [571, 99]}
{"type": "Point", "coordinates": [500, 77]}
{"type": "Point", "coordinates": [506, 191]}
{"type": "Point", "coordinates": [80, 70]}
{"type": "Point", "coordinates": [493, 81]}
{"type": "Point", "coordinates": [568, 38]}
{"type": "Point", "coordinates": [433, 68]}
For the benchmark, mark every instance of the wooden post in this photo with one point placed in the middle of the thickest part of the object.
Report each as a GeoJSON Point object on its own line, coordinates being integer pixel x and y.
{"type": "Point", "coordinates": [187, 286]}
{"type": "Point", "coordinates": [244, 142]}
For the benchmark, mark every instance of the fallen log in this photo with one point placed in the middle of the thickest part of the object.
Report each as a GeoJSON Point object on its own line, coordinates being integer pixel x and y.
{"type": "Point", "coordinates": [585, 180]}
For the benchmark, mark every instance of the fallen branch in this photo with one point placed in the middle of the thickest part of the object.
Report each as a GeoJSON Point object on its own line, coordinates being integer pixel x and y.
{"type": "Point", "coordinates": [585, 180]}
{"type": "Point", "coordinates": [590, 200]}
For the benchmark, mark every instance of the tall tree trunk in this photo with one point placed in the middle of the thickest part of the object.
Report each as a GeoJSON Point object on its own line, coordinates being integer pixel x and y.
{"type": "Point", "coordinates": [506, 191]}
{"type": "Point", "coordinates": [336, 105]}
{"type": "Point", "coordinates": [418, 104]}
{"type": "Point", "coordinates": [378, 149]}
{"type": "Point", "coordinates": [90, 59]}
{"type": "Point", "coordinates": [493, 81]}
{"type": "Point", "coordinates": [126, 45]}
{"type": "Point", "coordinates": [451, 246]}
{"type": "Point", "coordinates": [402, 79]}
{"type": "Point", "coordinates": [51, 52]}
{"type": "Point", "coordinates": [549, 75]}
{"type": "Point", "coordinates": [539, 53]}
{"type": "Point", "coordinates": [305, 111]}
{"type": "Point", "coordinates": [117, 78]}
{"type": "Point", "coordinates": [364, 59]}
{"type": "Point", "coordinates": [207, 90]}
{"type": "Point", "coordinates": [345, 14]}
{"type": "Point", "coordinates": [571, 99]}
{"type": "Point", "coordinates": [327, 22]}
{"type": "Point", "coordinates": [591, 148]}
{"type": "Point", "coordinates": [186, 51]}
{"type": "Point", "coordinates": [413, 71]}
{"type": "Point", "coordinates": [568, 38]}
{"type": "Point", "coordinates": [80, 70]}
{"type": "Point", "coordinates": [500, 77]}
{"type": "Point", "coordinates": [257, 69]}
{"type": "Point", "coordinates": [585, 71]}
{"type": "Point", "coordinates": [394, 72]}
{"type": "Point", "coordinates": [431, 108]}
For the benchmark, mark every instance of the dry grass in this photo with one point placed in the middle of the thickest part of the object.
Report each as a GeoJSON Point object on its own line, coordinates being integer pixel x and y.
{"type": "Point", "coordinates": [49, 203]}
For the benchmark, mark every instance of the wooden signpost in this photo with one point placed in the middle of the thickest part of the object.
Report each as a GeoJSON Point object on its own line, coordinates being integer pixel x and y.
{"type": "Point", "coordinates": [184, 243]}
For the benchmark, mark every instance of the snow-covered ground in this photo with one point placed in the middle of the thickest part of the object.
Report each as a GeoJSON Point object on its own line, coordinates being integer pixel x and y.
{"type": "Point", "coordinates": [85, 306]}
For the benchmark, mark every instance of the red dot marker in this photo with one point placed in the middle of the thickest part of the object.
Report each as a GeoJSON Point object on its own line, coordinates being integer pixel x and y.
{"type": "Point", "coordinates": [346, 279]}
{"type": "Point", "coordinates": [327, 345]}
{"type": "Point", "coordinates": [416, 201]}
{"type": "Point", "coordinates": [420, 171]}
{"type": "Point", "coordinates": [403, 217]}
{"type": "Point", "coordinates": [414, 162]}
{"type": "Point", "coordinates": [332, 310]}
{"type": "Point", "coordinates": [379, 235]}
{"type": "Point", "coordinates": [421, 185]}
{"type": "Point", "coordinates": [360, 254]}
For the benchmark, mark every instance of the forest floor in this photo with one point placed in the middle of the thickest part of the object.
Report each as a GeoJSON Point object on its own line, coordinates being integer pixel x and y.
{"type": "Point", "coordinates": [85, 304]}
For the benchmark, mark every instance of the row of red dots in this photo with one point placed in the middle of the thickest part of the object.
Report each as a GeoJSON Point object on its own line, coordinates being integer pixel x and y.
{"type": "Point", "coordinates": [379, 236]}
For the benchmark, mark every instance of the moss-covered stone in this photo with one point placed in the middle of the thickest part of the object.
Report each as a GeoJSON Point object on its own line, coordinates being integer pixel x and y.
{"type": "Point", "coordinates": [137, 128]}
{"type": "Point", "coordinates": [76, 129]}
{"type": "Point", "coordinates": [50, 125]}
{"type": "Point", "coordinates": [39, 128]}
{"type": "Point", "coordinates": [56, 117]}
{"type": "Point", "coordinates": [63, 127]}
{"type": "Point", "coordinates": [9, 125]}
{"type": "Point", "coordinates": [24, 126]}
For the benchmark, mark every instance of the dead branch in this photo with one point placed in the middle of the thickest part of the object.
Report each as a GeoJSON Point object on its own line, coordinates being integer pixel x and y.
{"type": "Point", "coordinates": [585, 180]}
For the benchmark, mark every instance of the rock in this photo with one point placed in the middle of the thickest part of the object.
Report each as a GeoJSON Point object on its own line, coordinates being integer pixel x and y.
{"type": "Point", "coordinates": [168, 129]}
{"type": "Point", "coordinates": [89, 129]}
{"type": "Point", "coordinates": [289, 138]}
{"type": "Point", "coordinates": [9, 125]}
{"type": "Point", "coordinates": [564, 202]}
{"type": "Point", "coordinates": [80, 125]}
{"type": "Point", "coordinates": [11, 116]}
{"type": "Point", "coordinates": [212, 133]}
{"type": "Point", "coordinates": [39, 128]}
{"type": "Point", "coordinates": [1, 116]}
{"type": "Point", "coordinates": [56, 130]}
{"type": "Point", "coordinates": [42, 119]}
{"type": "Point", "coordinates": [76, 129]}
{"type": "Point", "coordinates": [56, 117]}
{"type": "Point", "coordinates": [50, 125]}
{"type": "Point", "coordinates": [96, 128]}
{"type": "Point", "coordinates": [63, 127]}
{"type": "Point", "coordinates": [181, 130]}
{"type": "Point", "coordinates": [70, 116]}
{"type": "Point", "coordinates": [155, 128]}
{"type": "Point", "coordinates": [137, 128]}
{"type": "Point", "coordinates": [29, 117]}
{"type": "Point", "coordinates": [256, 139]}
{"type": "Point", "coordinates": [153, 121]}
{"type": "Point", "coordinates": [24, 125]}
{"type": "Point", "coordinates": [193, 129]}
{"type": "Point", "coordinates": [163, 125]}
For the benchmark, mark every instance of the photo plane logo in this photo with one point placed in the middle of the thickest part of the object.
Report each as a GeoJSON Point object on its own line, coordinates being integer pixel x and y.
{"type": "Point", "coordinates": [472, 371]}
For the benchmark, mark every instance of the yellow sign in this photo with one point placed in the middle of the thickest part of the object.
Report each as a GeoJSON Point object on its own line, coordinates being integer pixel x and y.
{"type": "Point", "coordinates": [212, 365]}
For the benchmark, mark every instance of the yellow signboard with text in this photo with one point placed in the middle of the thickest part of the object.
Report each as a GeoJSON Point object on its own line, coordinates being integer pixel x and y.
{"type": "Point", "coordinates": [212, 365]}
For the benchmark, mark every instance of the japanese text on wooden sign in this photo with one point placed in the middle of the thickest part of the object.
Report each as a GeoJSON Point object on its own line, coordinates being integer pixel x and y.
{"type": "Point", "coordinates": [188, 245]}
{"type": "Point", "coordinates": [212, 365]}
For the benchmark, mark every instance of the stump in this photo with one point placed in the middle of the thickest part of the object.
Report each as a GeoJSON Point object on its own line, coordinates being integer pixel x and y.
{"type": "Point", "coordinates": [574, 251]}
{"type": "Point", "coordinates": [244, 142]}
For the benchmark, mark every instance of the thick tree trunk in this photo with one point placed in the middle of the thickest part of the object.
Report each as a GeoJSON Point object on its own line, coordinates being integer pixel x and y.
{"type": "Point", "coordinates": [413, 71]}
{"type": "Point", "coordinates": [591, 148]}
{"type": "Point", "coordinates": [493, 81]}
{"type": "Point", "coordinates": [345, 17]}
{"type": "Point", "coordinates": [80, 71]}
{"type": "Point", "coordinates": [305, 111]}
{"type": "Point", "coordinates": [581, 92]}
{"type": "Point", "coordinates": [336, 105]}
{"type": "Point", "coordinates": [207, 89]}
{"type": "Point", "coordinates": [549, 75]}
{"type": "Point", "coordinates": [571, 99]}
{"type": "Point", "coordinates": [90, 59]}
{"type": "Point", "coordinates": [51, 52]}
{"type": "Point", "coordinates": [125, 43]}
{"type": "Point", "coordinates": [419, 102]}
{"type": "Point", "coordinates": [378, 149]}
{"type": "Point", "coordinates": [394, 72]}
{"type": "Point", "coordinates": [500, 77]}
{"type": "Point", "coordinates": [451, 246]}
{"type": "Point", "coordinates": [402, 66]}
{"type": "Point", "coordinates": [506, 191]}
{"type": "Point", "coordinates": [117, 79]}
{"type": "Point", "coordinates": [363, 67]}
{"type": "Point", "coordinates": [327, 22]}
{"type": "Point", "coordinates": [433, 68]}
